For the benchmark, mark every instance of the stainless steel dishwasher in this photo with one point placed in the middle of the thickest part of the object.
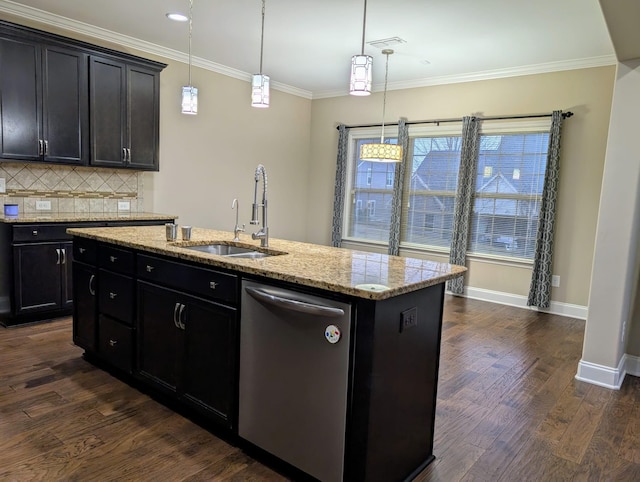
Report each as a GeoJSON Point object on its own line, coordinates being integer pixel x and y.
{"type": "Point", "coordinates": [294, 365]}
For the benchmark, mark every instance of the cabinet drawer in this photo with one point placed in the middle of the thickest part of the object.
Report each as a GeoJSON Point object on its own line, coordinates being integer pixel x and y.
{"type": "Point", "coordinates": [115, 343]}
{"type": "Point", "coordinates": [85, 250]}
{"type": "Point", "coordinates": [115, 296]}
{"type": "Point", "coordinates": [202, 281]}
{"type": "Point", "coordinates": [115, 259]}
{"type": "Point", "coordinates": [40, 232]}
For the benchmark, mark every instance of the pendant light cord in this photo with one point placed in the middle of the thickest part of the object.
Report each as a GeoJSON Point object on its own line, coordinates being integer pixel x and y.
{"type": "Point", "coordinates": [384, 97]}
{"type": "Point", "coordinates": [190, 30]}
{"type": "Point", "coordinates": [364, 25]}
{"type": "Point", "coordinates": [262, 35]}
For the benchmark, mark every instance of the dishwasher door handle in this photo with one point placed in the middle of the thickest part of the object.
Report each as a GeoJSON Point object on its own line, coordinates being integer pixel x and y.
{"type": "Point", "coordinates": [294, 305]}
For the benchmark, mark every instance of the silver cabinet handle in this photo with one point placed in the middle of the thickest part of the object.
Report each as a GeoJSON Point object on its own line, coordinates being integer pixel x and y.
{"type": "Point", "coordinates": [91, 288]}
{"type": "Point", "coordinates": [180, 322]}
{"type": "Point", "coordinates": [293, 304]}
{"type": "Point", "coordinates": [57, 256]}
{"type": "Point", "coordinates": [63, 251]}
{"type": "Point", "coordinates": [113, 258]}
{"type": "Point", "coordinates": [34, 232]}
{"type": "Point", "coordinates": [124, 154]}
{"type": "Point", "coordinates": [113, 342]}
{"type": "Point", "coordinates": [213, 285]}
{"type": "Point", "coordinates": [129, 155]}
{"type": "Point", "coordinates": [112, 295]}
{"type": "Point", "coordinates": [46, 148]}
{"type": "Point", "coordinates": [82, 250]}
{"type": "Point", "coordinates": [40, 147]}
{"type": "Point", "coordinates": [175, 315]}
{"type": "Point", "coordinates": [150, 268]}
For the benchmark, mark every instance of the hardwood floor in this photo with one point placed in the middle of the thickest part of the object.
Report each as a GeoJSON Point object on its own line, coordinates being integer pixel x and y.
{"type": "Point", "coordinates": [509, 409]}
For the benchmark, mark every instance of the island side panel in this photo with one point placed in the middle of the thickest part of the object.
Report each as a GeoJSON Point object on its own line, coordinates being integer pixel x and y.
{"type": "Point", "coordinates": [402, 384]}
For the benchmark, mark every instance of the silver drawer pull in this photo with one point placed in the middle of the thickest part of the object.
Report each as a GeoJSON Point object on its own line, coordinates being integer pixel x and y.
{"type": "Point", "coordinates": [112, 295]}
{"type": "Point", "coordinates": [82, 250]}
{"type": "Point", "coordinates": [213, 285]}
{"type": "Point", "coordinates": [113, 258]}
{"type": "Point", "coordinates": [34, 232]}
{"type": "Point", "coordinates": [150, 268]}
{"type": "Point", "coordinates": [113, 342]}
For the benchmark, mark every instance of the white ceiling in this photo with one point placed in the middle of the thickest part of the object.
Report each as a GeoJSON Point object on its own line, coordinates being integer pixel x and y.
{"type": "Point", "coordinates": [308, 44]}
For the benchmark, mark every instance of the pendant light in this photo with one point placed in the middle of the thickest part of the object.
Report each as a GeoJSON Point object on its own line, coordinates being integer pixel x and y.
{"type": "Point", "coordinates": [361, 67]}
{"type": "Point", "coordinates": [189, 92]}
{"type": "Point", "coordinates": [382, 152]}
{"type": "Point", "coordinates": [260, 82]}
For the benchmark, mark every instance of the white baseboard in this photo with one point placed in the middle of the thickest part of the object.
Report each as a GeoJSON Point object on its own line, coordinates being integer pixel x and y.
{"type": "Point", "coordinates": [510, 299]}
{"type": "Point", "coordinates": [602, 375]}
{"type": "Point", "coordinates": [632, 365]}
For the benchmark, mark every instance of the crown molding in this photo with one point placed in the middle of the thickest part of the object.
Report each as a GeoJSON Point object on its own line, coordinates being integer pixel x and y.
{"type": "Point", "coordinates": [30, 13]}
{"type": "Point", "coordinates": [574, 64]}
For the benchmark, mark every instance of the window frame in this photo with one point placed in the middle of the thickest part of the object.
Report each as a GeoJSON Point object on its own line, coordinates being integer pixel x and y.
{"type": "Point", "coordinates": [512, 126]}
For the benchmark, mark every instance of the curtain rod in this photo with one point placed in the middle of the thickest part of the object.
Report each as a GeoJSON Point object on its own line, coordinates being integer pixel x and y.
{"type": "Point", "coordinates": [565, 115]}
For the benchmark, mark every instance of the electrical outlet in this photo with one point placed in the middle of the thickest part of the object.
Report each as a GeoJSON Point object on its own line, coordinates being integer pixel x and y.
{"type": "Point", "coordinates": [3, 185]}
{"type": "Point", "coordinates": [408, 319]}
{"type": "Point", "coordinates": [43, 205]}
{"type": "Point", "coordinates": [124, 206]}
{"type": "Point", "coordinates": [555, 281]}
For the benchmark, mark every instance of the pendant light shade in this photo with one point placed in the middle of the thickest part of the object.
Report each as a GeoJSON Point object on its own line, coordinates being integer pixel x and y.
{"type": "Point", "coordinates": [361, 75]}
{"type": "Point", "coordinates": [382, 152]}
{"type": "Point", "coordinates": [189, 92]}
{"type": "Point", "coordinates": [361, 66]}
{"type": "Point", "coordinates": [189, 99]}
{"type": "Point", "coordinates": [260, 82]}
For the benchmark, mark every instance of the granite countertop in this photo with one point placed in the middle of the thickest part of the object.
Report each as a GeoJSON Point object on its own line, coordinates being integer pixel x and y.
{"type": "Point", "coordinates": [83, 217]}
{"type": "Point", "coordinates": [356, 273]}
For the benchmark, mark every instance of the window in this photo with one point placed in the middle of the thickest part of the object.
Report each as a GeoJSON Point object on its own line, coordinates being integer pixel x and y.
{"type": "Point", "coordinates": [429, 197]}
{"type": "Point", "coordinates": [368, 208]}
{"type": "Point", "coordinates": [509, 183]}
{"type": "Point", "coordinates": [508, 190]}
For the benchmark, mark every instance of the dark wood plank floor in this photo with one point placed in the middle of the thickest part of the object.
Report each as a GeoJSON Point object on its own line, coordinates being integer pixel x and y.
{"type": "Point", "coordinates": [509, 409]}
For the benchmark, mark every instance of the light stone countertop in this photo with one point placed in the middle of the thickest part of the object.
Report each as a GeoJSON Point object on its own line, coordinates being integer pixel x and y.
{"type": "Point", "coordinates": [56, 217]}
{"type": "Point", "coordinates": [340, 270]}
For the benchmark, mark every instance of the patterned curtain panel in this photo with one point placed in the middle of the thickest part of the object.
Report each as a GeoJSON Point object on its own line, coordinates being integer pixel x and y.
{"type": "Point", "coordinates": [540, 289]}
{"type": "Point", "coordinates": [398, 181]}
{"type": "Point", "coordinates": [464, 198]}
{"type": "Point", "coordinates": [341, 177]}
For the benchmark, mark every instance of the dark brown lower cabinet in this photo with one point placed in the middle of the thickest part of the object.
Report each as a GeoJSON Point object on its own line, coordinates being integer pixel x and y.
{"type": "Point", "coordinates": [42, 277]}
{"type": "Point", "coordinates": [186, 346]}
{"type": "Point", "coordinates": [85, 306]}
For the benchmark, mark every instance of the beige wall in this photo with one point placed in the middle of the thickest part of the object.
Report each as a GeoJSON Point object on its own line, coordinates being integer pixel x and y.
{"type": "Point", "coordinates": [585, 92]}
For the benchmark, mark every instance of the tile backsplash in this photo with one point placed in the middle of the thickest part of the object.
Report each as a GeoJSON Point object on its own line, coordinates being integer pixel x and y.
{"type": "Point", "coordinates": [70, 189]}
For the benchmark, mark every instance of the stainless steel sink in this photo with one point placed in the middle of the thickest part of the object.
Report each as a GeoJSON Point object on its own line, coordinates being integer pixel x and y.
{"type": "Point", "coordinates": [229, 250]}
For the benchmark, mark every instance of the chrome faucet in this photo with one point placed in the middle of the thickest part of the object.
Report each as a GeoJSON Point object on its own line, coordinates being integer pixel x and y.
{"type": "Point", "coordinates": [237, 229]}
{"type": "Point", "coordinates": [263, 234]}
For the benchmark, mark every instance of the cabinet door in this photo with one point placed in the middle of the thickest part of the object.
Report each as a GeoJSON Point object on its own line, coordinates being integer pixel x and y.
{"type": "Point", "coordinates": [209, 372]}
{"type": "Point", "coordinates": [20, 100]}
{"type": "Point", "coordinates": [66, 275]}
{"type": "Point", "coordinates": [143, 118]}
{"type": "Point", "coordinates": [107, 107]}
{"type": "Point", "coordinates": [85, 307]}
{"type": "Point", "coordinates": [159, 338]}
{"type": "Point", "coordinates": [37, 277]}
{"type": "Point", "coordinates": [65, 106]}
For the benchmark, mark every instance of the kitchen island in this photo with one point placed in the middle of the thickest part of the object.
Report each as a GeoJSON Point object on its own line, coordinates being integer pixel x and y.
{"type": "Point", "coordinates": [176, 320]}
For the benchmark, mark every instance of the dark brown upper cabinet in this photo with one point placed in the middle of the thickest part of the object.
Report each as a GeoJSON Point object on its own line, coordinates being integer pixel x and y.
{"type": "Point", "coordinates": [125, 113]}
{"type": "Point", "coordinates": [69, 102]}
{"type": "Point", "coordinates": [43, 99]}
